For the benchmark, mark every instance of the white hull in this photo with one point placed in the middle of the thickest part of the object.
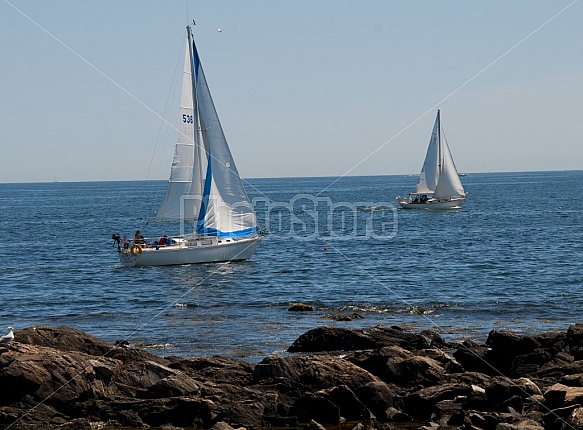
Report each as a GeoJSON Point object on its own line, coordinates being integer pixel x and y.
{"type": "Point", "coordinates": [434, 204]}
{"type": "Point", "coordinates": [201, 250]}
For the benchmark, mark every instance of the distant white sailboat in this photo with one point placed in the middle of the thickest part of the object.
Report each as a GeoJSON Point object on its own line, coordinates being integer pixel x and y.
{"type": "Point", "coordinates": [204, 188]}
{"type": "Point", "coordinates": [438, 186]}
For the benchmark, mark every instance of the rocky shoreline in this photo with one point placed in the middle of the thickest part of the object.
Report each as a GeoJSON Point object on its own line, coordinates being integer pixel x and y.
{"type": "Point", "coordinates": [374, 378]}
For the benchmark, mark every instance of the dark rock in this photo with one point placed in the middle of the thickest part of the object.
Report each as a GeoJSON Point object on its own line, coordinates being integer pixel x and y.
{"type": "Point", "coordinates": [377, 397]}
{"type": "Point", "coordinates": [513, 355]}
{"type": "Point", "coordinates": [560, 369]}
{"type": "Point", "coordinates": [528, 364]}
{"type": "Point", "coordinates": [449, 364]}
{"type": "Point", "coordinates": [300, 307]}
{"type": "Point", "coordinates": [314, 425]}
{"type": "Point", "coordinates": [63, 378]}
{"type": "Point", "coordinates": [474, 358]}
{"type": "Point", "coordinates": [63, 339]}
{"type": "Point", "coordinates": [574, 339]}
{"type": "Point", "coordinates": [396, 416]}
{"type": "Point", "coordinates": [316, 407]}
{"type": "Point", "coordinates": [414, 371]}
{"type": "Point", "coordinates": [448, 413]}
{"type": "Point", "coordinates": [343, 317]}
{"type": "Point", "coordinates": [375, 360]}
{"type": "Point", "coordinates": [556, 419]}
{"type": "Point", "coordinates": [331, 339]}
{"type": "Point", "coordinates": [477, 400]}
{"type": "Point", "coordinates": [501, 390]}
{"type": "Point", "coordinates": [177, 385]}
{"type": "Point", "coordinates": [219, 369]}
{"type": "Point", "coordinates": [350, 406]}
{"type": "Point", "coordinates": [342, 339]}
{"type": "Point", "coordinates": [575, 419]}
{"type": "Point", "coordinates": [559, 395]}
{"type": "Point", "coordinates": [316, 372]}
{"type": "Point", "coordinates": [419, 404]}
{"type": "Point", "coordinates": [221, 425]}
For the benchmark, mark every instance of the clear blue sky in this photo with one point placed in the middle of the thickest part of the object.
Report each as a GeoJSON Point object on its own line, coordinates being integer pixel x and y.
{"type": "Point", "coordinates": [303, 88]}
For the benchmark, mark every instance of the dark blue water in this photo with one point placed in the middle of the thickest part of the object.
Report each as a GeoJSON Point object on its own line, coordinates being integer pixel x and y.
{"type": "Point", "coordinates": [510, 259]}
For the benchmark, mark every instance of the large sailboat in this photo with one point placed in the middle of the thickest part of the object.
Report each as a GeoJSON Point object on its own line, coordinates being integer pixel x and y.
{"type": "Point", "coordinates": [205, 191]}
{"type": "Point", "coordinates": [439, 185]}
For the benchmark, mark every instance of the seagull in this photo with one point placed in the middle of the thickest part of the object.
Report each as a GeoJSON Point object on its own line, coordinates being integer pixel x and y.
{"type": "Point", "coordinates": [9, 337]}
{"type": "Point", "coordinates": [219, 30]}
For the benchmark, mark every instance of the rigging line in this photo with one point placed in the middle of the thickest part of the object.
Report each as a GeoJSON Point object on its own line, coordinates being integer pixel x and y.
{"type": "Point", "coordinates": [508, 51]}
{"type": "Point", "coordinates": [83, 59]}
{"type": "Point", "coordinates": [375, 279]}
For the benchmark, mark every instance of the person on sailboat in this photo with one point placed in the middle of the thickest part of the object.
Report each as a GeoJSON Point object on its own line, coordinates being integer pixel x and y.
{"type": "Point", "coordinates": [138, 238]}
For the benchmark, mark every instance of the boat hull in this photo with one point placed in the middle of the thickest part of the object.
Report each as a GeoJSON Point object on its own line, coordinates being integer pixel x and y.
{"type": "Point", "coordinates": [434, 204]}
{"type": "Point", "coordinates": [204, 250]}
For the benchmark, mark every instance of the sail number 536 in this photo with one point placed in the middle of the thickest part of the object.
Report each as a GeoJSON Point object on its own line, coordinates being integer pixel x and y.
{"type": "Point", "coordinates": [187, 119]}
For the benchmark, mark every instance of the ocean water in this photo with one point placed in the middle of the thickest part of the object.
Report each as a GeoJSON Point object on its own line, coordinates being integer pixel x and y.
{"type": "Point", "coordinates": [510, 259]}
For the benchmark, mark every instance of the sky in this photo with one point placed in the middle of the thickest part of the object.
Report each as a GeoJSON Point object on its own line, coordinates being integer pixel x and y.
{"type": "Point", "coordinates": [89, 90]}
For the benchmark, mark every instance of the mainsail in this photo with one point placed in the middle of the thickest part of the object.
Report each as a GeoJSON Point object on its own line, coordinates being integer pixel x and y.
{"type": "Point", "coordinates": [204, 184]}
{"type": "Point", "coordinates": [429, 175]}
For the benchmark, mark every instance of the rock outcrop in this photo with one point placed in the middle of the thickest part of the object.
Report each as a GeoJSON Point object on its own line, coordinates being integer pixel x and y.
{"type": "Point", "coordinates": [380, 377]}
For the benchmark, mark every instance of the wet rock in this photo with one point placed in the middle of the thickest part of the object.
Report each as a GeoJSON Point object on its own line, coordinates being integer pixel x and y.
{"type": "Point", "coordinates": [343, 317]}
{"type": "Point", "coordinates": [341, 339]}
{"type": "Point", "coordinates": [300, 307]}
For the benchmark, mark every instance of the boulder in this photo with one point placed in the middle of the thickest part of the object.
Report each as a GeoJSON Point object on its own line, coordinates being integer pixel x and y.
{"type": "Point", "coordinates": [300, 307]}
{"type": "Point", "coordinates": [420, 404]}
{"type": "Point", "coordinates": [316, 372]}
{"type": "Point", "coordinates": [377, 397]}
{"type": "Point", "coordinates": [342, 339]}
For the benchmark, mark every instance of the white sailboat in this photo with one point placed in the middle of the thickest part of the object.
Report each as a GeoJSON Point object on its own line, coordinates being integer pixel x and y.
{"type": "Point", "coordinates": [204, 188]}
{"type": "Point", "coordinates": [439, 185]}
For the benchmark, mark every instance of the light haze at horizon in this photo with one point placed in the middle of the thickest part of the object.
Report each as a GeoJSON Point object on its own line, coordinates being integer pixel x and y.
{"type": "Point", "coordinates": [301, 88]}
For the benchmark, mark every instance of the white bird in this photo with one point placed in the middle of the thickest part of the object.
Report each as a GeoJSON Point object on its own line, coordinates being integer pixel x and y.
{"type": "Point", "coordinates": [219, 30]}
{"type": "Point", "coordinates": [9, 337]}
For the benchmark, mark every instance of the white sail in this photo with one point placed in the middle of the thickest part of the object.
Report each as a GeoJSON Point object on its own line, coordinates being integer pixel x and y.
{"type": "Point", "coordinates": [429, 175]}
{"type": "Point", "coordinates": [449, 185]}
{"type": "Point", "coordinates": [181, 174]}
{"type": "Point", "coordinates": [204, 183]}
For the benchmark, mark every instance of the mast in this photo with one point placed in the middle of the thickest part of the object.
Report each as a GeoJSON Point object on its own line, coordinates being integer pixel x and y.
{"type": "Point", "coordinates": [439, 149]}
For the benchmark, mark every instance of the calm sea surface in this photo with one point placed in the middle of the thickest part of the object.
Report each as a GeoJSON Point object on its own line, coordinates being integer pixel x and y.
{"type": "Point", "coordinates": [510, 259]}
